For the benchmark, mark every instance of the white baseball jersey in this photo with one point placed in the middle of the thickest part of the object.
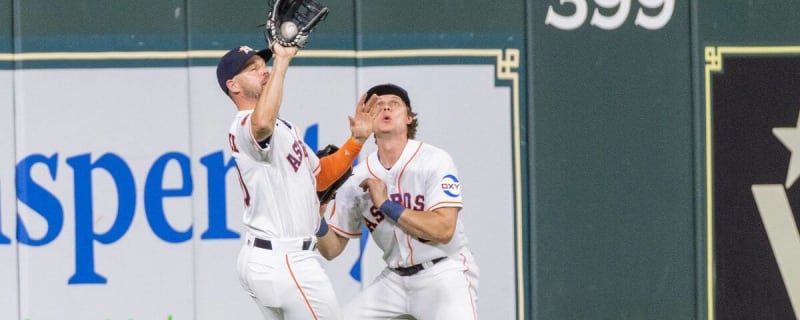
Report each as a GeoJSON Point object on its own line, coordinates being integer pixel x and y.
{"type": "Point", "coordinates": [278, 180]}
{"type": "Point", "coordinates": [285, 279]}
{"type": "Point", "coordinates": [423, 179]}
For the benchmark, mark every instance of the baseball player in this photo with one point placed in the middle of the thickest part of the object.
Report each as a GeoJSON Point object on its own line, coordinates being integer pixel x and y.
{"type": "Point", "coordinates": [408, 195]}
{"type": "Point", "coordinates": [279, 176]}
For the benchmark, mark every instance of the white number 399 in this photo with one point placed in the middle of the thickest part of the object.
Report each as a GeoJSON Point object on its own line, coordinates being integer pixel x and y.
{"type": "Point", "coordinates": [614, 20]}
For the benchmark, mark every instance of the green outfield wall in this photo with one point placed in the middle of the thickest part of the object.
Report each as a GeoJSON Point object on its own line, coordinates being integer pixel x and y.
{"type": "Point", "coordinates": [613, 228]}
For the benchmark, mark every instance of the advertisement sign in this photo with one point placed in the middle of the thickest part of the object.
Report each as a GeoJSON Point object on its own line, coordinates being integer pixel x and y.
{"type": "Point", "coordinates": [104, 197]}
{"type": "Point", "coordinates": [127, 206]}
{"type": "Point", "coordinates": [754, 108]}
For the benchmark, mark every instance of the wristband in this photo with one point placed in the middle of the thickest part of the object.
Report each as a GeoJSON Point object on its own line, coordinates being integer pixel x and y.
{"type": "Point", "coordinates": [392, 209]}
{"type": "Point", "coordinates": [323, 228]}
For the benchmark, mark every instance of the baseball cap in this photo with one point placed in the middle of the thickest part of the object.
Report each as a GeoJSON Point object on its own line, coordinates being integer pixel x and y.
{"type": "Point", "coordinates": [234, 61]}
{"type": "Point", "coordinates": [389, 88]}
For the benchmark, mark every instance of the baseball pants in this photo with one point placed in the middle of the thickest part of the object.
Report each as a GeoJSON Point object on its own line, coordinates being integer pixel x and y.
{"type": "Point", "coordinates": [446, 290]}
{"type": "Point", "coordinates": [286, 280]}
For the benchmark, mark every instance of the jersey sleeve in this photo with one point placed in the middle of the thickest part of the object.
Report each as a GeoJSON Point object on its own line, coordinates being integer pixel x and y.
{"type": "Point", "coordinates": [246, 143]}
{"type": "Point", "coordinates": [345, 216]}
{"type": "Point", "coordinates": [444, 186]}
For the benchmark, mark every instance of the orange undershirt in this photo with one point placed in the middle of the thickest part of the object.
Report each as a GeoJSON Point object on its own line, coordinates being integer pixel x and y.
{"type": "Point", "coordinates": [334, 166]}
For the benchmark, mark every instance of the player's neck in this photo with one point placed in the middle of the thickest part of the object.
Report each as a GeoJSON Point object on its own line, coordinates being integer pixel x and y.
{"type": "Point", "coordinates": [390, 149]}
{"type": "Point", "coordinates": [243, 104]}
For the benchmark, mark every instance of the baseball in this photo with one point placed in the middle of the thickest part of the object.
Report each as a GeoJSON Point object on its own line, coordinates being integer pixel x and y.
{"type": "Point", "coordinates": [288, 30]}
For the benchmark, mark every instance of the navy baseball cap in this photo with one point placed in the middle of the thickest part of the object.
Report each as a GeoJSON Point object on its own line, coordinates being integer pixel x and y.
{"type": "Point", "coordinates": [234, 61]}
{"type": "Point", "coordinates": [389, 88]}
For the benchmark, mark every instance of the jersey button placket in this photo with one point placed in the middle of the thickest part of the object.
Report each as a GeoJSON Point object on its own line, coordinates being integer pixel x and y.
{"type": "Point", "coordinates": [400, 236]}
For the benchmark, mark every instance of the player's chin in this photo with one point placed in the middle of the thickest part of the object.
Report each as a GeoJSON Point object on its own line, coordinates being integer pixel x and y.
{"type": "Point", "coordinates": [384, 128]}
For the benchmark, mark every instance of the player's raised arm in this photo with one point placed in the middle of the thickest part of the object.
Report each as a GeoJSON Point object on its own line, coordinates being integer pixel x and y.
{"type": "Point", "coordinates": [269, 103]}
{"type": "Point", "coordinates": [335, 165]}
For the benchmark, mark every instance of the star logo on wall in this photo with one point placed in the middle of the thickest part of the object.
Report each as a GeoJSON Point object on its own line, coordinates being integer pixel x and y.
{"type": "Point", "coordinates": [790, 137]}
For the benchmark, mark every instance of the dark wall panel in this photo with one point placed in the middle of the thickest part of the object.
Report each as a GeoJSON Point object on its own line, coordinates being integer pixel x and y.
{"type": "Point", "coordinates": [611, 118]}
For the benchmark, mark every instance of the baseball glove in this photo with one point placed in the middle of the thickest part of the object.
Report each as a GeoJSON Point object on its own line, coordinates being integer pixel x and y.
{"type": "Point", "coordinates": [328, 194]}
{"type": "Point", "coordinates": [290, 22]}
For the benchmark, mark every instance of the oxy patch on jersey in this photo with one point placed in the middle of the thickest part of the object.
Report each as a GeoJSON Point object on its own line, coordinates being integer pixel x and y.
{"type": "Point", "coordinates": [450, 186]}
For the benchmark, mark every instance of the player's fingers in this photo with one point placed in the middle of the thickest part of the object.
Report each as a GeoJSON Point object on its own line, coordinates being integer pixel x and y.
{"type": "Point", "coordinates": [364, 184]}
{"type": "Point", "coordinates": [374, 111]}
{"type": "Point", "coordinates": [370, 104]}
{"type": "Point", "coordinates": [360, 105]}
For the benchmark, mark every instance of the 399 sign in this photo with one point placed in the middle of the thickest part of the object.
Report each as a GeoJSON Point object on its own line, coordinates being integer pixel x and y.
{"type": "Point", "coordinates": [651, 14]}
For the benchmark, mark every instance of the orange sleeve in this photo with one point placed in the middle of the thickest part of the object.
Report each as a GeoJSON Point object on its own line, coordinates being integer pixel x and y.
{"type": "Point", "coordinates": [334, 166]}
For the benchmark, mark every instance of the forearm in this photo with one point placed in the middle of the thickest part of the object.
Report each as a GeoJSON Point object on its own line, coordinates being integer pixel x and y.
{"type": "Point", "coordinates": [335, 165]}
{"type": "Point", "coordinates": [438, 225]}
{"type": "Point", "coordinates": [331, 245]}
{"type": "Point", "coordinates": [269, 103]}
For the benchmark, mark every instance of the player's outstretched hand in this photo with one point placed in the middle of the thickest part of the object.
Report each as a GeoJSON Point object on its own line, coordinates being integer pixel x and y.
{"type": "Point", "coordinates": [377, 190]}
{"type": "Point", "coordinates": [281, 51]}
{"type": "Point", "coordinates": [361, 121]}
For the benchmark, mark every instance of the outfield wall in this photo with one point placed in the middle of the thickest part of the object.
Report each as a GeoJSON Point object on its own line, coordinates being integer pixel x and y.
{"type": "Point", "coordinates": [619, 160]}
{"type": "Point", "coordinates": [119, 201]}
